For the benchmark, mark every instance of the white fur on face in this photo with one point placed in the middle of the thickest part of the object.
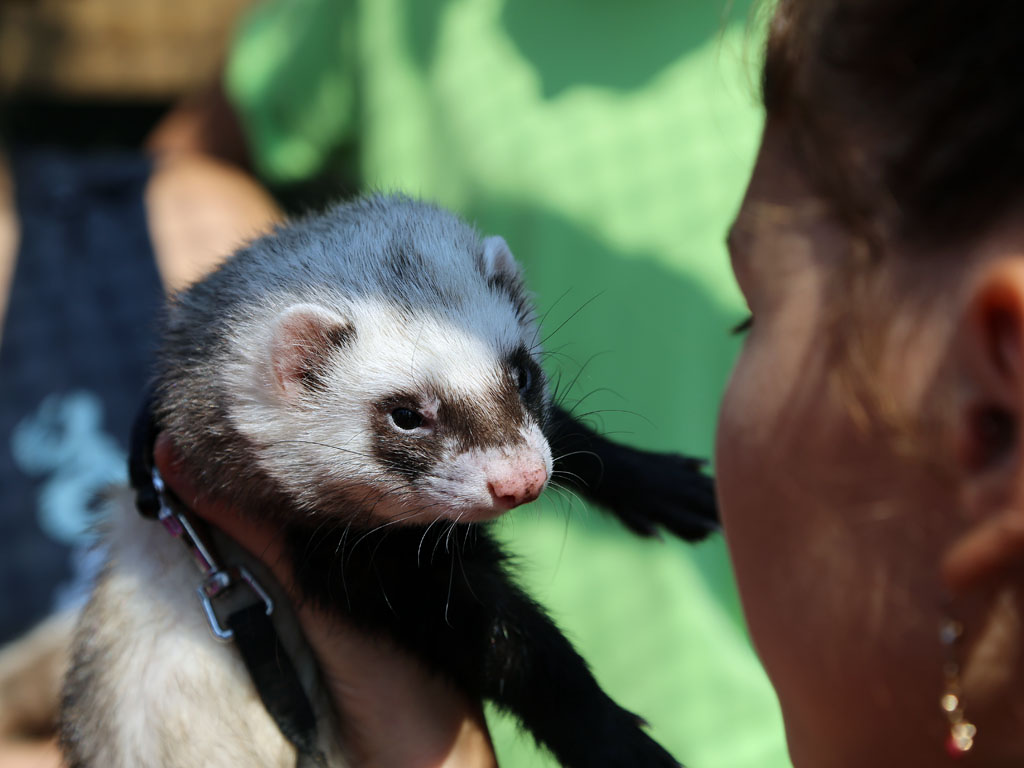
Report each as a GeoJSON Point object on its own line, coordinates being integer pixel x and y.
{"type": "Point", "coordinates": [322, 444]}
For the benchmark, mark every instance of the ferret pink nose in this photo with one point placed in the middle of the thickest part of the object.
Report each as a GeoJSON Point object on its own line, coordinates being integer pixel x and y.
{"type": "Point", "coordinates": [513, 488]}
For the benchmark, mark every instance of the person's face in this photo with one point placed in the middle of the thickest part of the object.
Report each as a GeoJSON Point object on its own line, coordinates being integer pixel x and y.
{"type": "Point", "coordinates": [835, 534]}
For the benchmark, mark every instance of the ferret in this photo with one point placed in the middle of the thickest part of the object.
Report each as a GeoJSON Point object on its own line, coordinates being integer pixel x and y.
{"type": "Point", "coordinates": [369, 378]}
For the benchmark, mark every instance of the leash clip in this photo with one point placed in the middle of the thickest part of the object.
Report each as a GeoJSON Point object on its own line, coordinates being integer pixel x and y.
{"type": "Point", "coordinates": [220, 581]}
{"type": "Point", "coordinates": [217, 581]}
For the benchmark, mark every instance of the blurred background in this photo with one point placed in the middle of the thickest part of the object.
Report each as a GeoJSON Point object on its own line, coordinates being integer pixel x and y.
{"type": "Point", "coordinates": [609, 143]}
{"type": "Point", "coordinates": [100, 73]}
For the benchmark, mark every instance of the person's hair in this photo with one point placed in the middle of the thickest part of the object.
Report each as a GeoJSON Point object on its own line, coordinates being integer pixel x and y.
{"type": "Point", "coordinates": [909, 114]}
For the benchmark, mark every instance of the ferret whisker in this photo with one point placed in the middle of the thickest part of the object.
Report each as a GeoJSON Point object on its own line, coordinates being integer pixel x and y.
{"type": "Point", "coordinates": [462, 566]}
{"type": "Point", "coordinates": [448, 536]}
{"type": "Point", "coordinates": [340, 449]}
{"type": "Point", "coordinates": [565, 537]}
{"type": "Point", "coordinates": [560, 500]}
{"type": "Point", "coordinates": [389, 523]}
{"type": "Point", "coordinates": [579, 373]}
{"type": "Point", "coordinates": [596, 456]}
{"type": "Point", "coordinates": [441, 537]}
{"type": "Point", "coordinates": [448, 600]}
{"type": "Point", "coordinates": [557, 354]}
{"type": "Point", "coordinates": [338, 524]}
{"type": "Point", "coordinates": [579, 309]}
{"type": "Point", "coordinates": [583, 398]}
{"type": "Point", "coordinates": [539, 323]}
{"type": "Point", "coordinates": [380, 581]}
{"type": "Point", "coordinates": [574, 496]}
{"type": "Point", "coordinates": [560, 475]}
{"type": "Point", "coordinates": [339, 557]}
{"type": "Point", "coordinates": [558, 491]}
{"type": "Point", "coordinates": [451, 573]}
{"type": "Point", "coordinates": [615, 410]}
{"type": "Point", "coordinates": [614, 432]}
{"type": "Point", "coordinates": [419, 548]}
{"type": "Point", "coordinates": [328, 520]}
{"type": "Point", "coordinates": [567, 454]}
{"type": "Point", "coordinates": [555, 386]}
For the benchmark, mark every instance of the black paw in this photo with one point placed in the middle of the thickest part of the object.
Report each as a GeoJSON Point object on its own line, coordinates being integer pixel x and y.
{"type": "Point", "coordinates": [641, 752]}
{"type": "Point", "coordinates": [618, 742]}
{"type": "Point", "coordinates": [646, 490]}
{"type": "Point", "coordinates": [649, 491]}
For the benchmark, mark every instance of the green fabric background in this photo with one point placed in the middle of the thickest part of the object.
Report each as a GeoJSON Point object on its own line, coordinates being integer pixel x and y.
{"type": "Point", "coordinates": [609, 143]}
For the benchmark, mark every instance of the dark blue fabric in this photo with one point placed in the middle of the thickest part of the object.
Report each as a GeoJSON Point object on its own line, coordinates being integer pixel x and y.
{"type": "Point", "coordinates": [74, 361]}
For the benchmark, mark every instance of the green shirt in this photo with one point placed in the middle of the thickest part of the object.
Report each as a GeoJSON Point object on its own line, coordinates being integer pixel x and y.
{"type": "Point", "coordinates": [609, 143]}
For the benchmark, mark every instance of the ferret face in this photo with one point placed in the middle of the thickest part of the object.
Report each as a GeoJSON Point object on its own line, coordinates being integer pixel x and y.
{"type": "Point", "coordinates": [386, 411]}
{"type": "Point", "coordinates": [465, 442]}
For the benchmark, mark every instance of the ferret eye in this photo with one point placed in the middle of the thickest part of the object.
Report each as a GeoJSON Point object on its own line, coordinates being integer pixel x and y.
{"type": "Point", "coordinates": [523, 378]}
{"type": "Point", "coordinates": [406, 418]}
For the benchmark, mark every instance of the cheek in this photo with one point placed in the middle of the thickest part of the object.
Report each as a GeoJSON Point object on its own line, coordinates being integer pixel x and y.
{"type": "Point", "coordinates": [759, 524]}
{"type": "Point", "coordinates": [773, 534]}
{"type": "Point", "coordinates": [827, 556]}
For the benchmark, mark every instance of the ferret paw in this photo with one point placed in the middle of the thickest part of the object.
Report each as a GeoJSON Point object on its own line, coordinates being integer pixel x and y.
{"type": "Point", "coordinates": [643, 752]}
{"type": "Point", "coordinates": [628, 746]}
{"type": "Point", "coordinates": [664, 490]}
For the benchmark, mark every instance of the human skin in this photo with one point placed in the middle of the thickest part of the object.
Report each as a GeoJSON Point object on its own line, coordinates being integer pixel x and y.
{"type": "Point", "coordinates": [856, 525]}
{"type": "Point", "coordinates": [9, 237]}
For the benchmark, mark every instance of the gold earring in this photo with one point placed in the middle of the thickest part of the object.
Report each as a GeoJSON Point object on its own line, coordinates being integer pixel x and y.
{"type": "Point", "coordinates": [961, 730]}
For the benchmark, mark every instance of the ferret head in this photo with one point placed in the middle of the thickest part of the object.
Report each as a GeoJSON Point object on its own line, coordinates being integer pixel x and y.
{"type": "Point", "coordinates": [396, 380]}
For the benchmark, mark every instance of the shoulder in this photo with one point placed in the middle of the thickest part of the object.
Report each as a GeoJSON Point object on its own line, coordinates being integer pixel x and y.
{"type": "Point", "coordinates": [200, 210]}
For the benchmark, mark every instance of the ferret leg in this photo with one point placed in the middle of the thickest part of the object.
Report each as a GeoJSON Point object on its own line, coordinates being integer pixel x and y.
{"type": "Point", "coordinates": [499, 645]}
{"type": "Point", "coordinates": [442, 594]}
{"type": "Point", "coordinates": [643, 489]}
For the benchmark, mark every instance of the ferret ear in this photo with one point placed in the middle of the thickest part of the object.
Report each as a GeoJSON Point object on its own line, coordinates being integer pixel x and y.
{"type": "Point", "coordinates": [305, 336]}
{"type": "Point", "coordinates": [498, 261]}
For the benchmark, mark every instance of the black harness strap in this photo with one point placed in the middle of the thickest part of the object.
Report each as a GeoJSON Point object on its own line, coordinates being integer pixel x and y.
{"type": "Point", "coordinates": [275, 677]}
{"type": "Point", "coordinates": [250, 626]}
{"type": "Point", "coordinates": [140, 460]}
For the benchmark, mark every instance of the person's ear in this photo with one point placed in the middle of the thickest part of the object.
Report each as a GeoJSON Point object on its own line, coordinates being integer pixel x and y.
{"type": "Point", "coordinates": [991, 456]}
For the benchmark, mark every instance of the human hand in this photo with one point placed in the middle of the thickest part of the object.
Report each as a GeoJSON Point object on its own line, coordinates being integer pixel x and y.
{"type": "Point", "coordinates": [30, 754]}
{"type": "Point", "coordinates": [395, 713]}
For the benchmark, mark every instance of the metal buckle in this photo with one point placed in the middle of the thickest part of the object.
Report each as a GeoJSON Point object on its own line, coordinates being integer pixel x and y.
{"type": "Point", "coordinates": [216, 580]}
{"type": "Point", "coordinates": [220, 581]}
